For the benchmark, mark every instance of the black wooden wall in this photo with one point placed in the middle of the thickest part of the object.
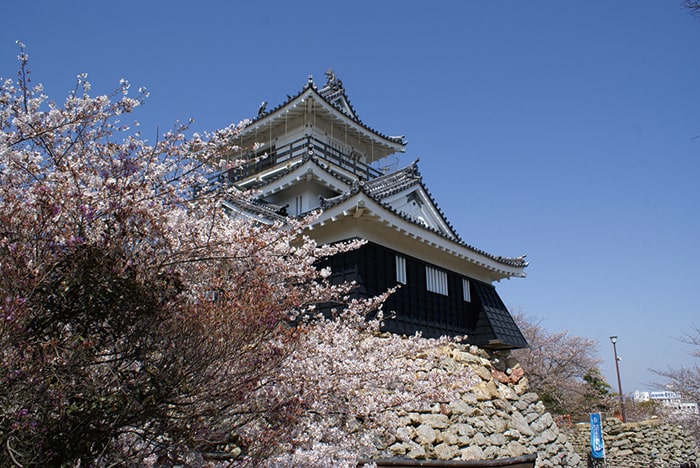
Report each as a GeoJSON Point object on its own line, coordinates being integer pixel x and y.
{"type": "Point", "coordinates": [485, 319]}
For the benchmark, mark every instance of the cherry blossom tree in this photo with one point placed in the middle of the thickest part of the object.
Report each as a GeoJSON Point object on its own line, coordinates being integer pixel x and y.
{"type": "Point", "coordinates": [141, 323]}
{"type": "Point", "coordinates": [354, 383]}
{"type": "Point", "coordinates": [693, 6]}
{"type": "Point", "coordinates": [563, 370]}
{"type": "Point", "coordinates": [137, 317]}
{"type": "Point", "coordinates": [685, 381]}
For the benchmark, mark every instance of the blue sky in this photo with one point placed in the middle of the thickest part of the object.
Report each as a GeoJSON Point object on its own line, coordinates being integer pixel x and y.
{"type": "Point", "coordinates": [564, 130]}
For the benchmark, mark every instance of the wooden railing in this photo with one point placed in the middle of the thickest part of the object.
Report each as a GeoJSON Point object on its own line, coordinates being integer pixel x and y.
{"type": "Point", "coordinates": [303, 146]}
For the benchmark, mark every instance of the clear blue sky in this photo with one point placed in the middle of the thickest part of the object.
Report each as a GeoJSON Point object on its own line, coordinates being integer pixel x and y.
{"type": "Point", "coordinates": [564, 130]}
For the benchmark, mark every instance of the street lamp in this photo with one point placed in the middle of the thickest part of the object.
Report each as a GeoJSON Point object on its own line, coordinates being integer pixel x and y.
{"type": "Point", "coordinates": [613, 340]}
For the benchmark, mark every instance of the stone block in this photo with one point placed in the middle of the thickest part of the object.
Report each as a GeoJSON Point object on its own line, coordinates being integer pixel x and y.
{"type": "Point", "coordinates": [446, 452]}
{"type": "Point", "coordinates": [405, 434]}
{"type": "Point", "coordinates": [480, 440]}
{"type": "Point", "coordinates": [460, 407]}
{"type": "Point", "coordinates": [399, 449]}
{"type": "Point", "coordinates": [519, 423]}
{"type": "Point", "coordinates": [470, 399]}
{"type": "Point", "coordinates": [497, 439]}
{"type": "Point", "coordinates": [543, 423]}
{"type": "Point", "coordinates": [462, 429]}
{"type": "Point", "coordinates": [436, 421]}
{"type": "Point", "coordinates": [516, 449]}
{"type": "Point", "coordinates": [415, 451]}
{"type": "Point", "coordinates": [473, 452]}
{"type": "Point", "coordinates": [425, 434]}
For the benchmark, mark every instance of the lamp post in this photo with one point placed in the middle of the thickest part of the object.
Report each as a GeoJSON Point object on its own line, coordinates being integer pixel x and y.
{"type": "Point", "coordinates": [613, 340]}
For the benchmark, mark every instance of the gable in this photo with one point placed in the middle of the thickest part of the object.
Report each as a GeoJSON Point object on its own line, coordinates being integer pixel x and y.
{"type": "Point", "coordinates": [302, 187]}
{"type": "Point", "coordinates": [403, 192]}
{"type": "Point", "coordinates": [415, 204]}
{"type": "Point", "coordinates": [358, 214]}
{"type": "Point", "coordinates": [306, 172]}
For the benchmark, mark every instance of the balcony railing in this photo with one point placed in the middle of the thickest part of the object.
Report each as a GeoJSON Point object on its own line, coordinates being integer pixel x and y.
{"type": "Point", "coordinates": [298, 148]}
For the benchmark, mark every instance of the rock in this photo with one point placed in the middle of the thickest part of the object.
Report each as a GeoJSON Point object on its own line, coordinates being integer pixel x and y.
{"type": "Point", "coordinates": [471, 453]}
{"type": "Point", "coordinates": [462, 429]}
{"type": "Point", "coordinates": [460, 407]}
{"type": "Point", "coordinates": [508, 393]}
{"type": "Point", "coordinates": [530, 398]}
{"type": "Point", "coordinates": [415, 451]}
{"type": "Point", "coordinates": [503, 405]}
{"type": "Point", "coordinates": [483, 372]}
{"type": "Point", "coordinates": [519, 423]}
{"type": "Point", "coordinates": [516, 449]}
{"type": "Point", "coordinates": [414, 418]}
{"type": "Point", "coordinates": [542, 423]}
{"type": "Point", "coordinates": [405, 434]}
{"type": "Point", "coordinates": [446, 452]}
{"type": "Point", "coordinates": [497, 439]}
{"type": "Point", "coordinates": [521, 386]}
{"type": "Point", "coordinates": [399, 449]}
{"type": "Point", "coordinates": [496, 417]}
{"type": "Point", "coordinates": [451, 438]}
{"type": "Point", "coordinates": [425, 434]}
{"type": "Point", "coordinates": [436, 421]}
{"type": "Point", "coordinates": [470, 398]}
{"type": "Point", "coordinates": [480, 439]}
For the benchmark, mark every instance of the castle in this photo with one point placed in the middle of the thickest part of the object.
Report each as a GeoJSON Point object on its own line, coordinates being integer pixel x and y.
{"type": "Point", "coordinates": [313, 152]}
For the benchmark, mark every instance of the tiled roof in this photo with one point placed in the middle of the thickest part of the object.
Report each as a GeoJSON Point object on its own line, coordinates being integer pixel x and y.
{"type": "Point", "coordinates": [394, 182]}
{"type": "Point", "coordinates": [257, 208]}
{"type": "Point", "coordinates": [495, 326]}
{"type": "Point", "coordinates": [381, 187]}
{"type": "Point", "coordinates": [280, 174]}
{"type": "Point", "coordinates": [326, 93]}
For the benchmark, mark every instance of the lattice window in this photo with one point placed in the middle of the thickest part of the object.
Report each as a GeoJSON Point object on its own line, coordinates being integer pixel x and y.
{"type": "Point", "coordinates": [400, 269]}
{"type": "Point", "coordinates": [436, 280]}
{"type": "Point", "coordinates": [466, 290]}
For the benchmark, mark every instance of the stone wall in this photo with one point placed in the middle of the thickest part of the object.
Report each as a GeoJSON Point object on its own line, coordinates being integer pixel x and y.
{"type": "Point", "coordinates": [497, 418]}
{"type": "Point", "coordinates": [639, 444]}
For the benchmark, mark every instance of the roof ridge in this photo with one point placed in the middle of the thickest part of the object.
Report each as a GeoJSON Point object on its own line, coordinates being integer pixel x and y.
{"type": "Point", "coordinates": [311, 86]}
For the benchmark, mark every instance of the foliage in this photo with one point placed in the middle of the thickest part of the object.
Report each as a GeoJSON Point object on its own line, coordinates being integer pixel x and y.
{"type": "Point", "coordinates": [134, 316]}
{"type": "Point", "coordinates": [693, 6]}
{"type": "Point", "coordinates": [686, 382]}
{"type": "Point", "coordinates": [563, 370]}
{"type": "Point", "coordinates": [355, 380]}
{"type": "Point", "coordinates": [142, 324]}
{"type": "Point", "coordinates": [642, 410]}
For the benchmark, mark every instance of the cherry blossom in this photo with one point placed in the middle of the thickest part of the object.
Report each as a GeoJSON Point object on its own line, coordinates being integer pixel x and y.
{"type": "Point", "coordinates": [141, 322]}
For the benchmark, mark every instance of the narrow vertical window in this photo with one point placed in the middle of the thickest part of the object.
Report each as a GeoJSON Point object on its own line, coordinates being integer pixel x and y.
{"type": "Point", "coordinates": [299, 206]}
{"type": "Point", "coordinates": [436, 280]}
{"type": "Point", "coordinates": [466, 290]}
{"type": "Point", "coordinates": [400, 269]}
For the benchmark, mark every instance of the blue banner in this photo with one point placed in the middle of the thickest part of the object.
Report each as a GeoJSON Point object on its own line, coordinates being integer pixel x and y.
{"type": "Point", "coordinates": [597, 445]}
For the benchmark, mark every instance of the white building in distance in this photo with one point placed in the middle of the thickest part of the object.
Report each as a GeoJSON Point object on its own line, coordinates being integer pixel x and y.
{"type": "Point", "coordinates": [667, 399]}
